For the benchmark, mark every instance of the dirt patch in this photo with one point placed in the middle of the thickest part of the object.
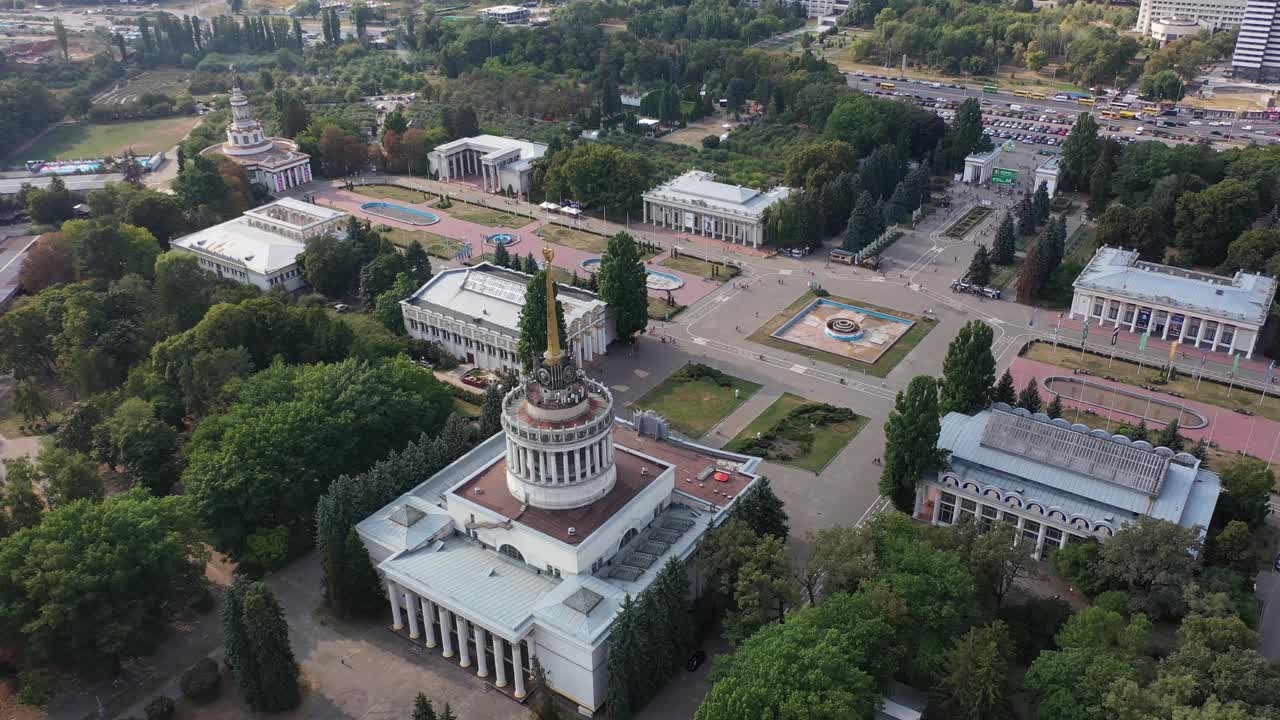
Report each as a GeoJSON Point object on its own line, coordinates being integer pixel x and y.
{"type": "Point", "coordinates": [691, 135]}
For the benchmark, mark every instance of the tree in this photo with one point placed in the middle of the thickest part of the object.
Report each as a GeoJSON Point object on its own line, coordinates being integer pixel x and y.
{"type": "Point", "coordinates": [979, 272]}
{"type": "Point", "coordinates": [491, 411]}
{"type": "Point", "coordinates": [69, 476]}
{"type": "Point", "coordinates": [1164, 85]}
{"type": "Point", "coordinates": [60, 33]}
{"type": "Point", "coordinates": [969, 370]}
{"type": "Point", "coordinates": [1031, 277]}
{"type": "Point", "coordinates": [1029, 398]}
{"type": "Point", "coordinates": [1247, 484]}
{"type": "Point", "coordinates": [24, 506]}
{"type": "Point", "coordinates": [1169, 437]}
{"type": "Point", "coordinates": [1005, 391]}
{"type": "Point", "coordinates": [422, 709]}
{"type": "Point", "coordinates": [1026, 217]}
{"type": "Point", "coordinates": [183, 289]}
{"type": "Point", "coordinates": [978, 675]}
{"type": "Point", "coordinates": [763, 511]}
{"type": "Point", "coordinates": [533, 321]}
{"type": "Point", "coordinates": [863, 224]}
{"type": "Point", "coordinates": [51, 261]}
{"type": "Point", "coordinates": [288, 430]}
{"type": "Point", "coordinates": [1233, 547]}
{"type": "Point", "coordinates": [1206, 222]}
{"type": "Point", "coordinates": [736, 94]}
{"type": "Point", "coordinates": [623, 285]}
{"type": "Point", "coordinates": [501, 257]}
{"type": "Point", "coordinates": [202, 191]}
{"type": "Point", "coordinates": [419, 262]}
{"type": "Point", "coordinates": [267, 665]}
{"type": "Point", "coordinates": [158, 213]}
{"type": "Point", "coordinates": [124, 565]}
{"type": "Point", "coordinates": [1055, 407]}
{"type": "Point", "coordinates": [330, 265]}
{"type": "Point", "coordinates": [1079, 151]}
{"type": "Point", "coordinates": [763, 591]}
{"type": "Point", "coordinates": [386, 308]}
{"type": "Point", "coordinates": [31, 401]}
{"type": "Point", "coordinates": [1153, 560]}
{"type": "Point", "coordinates": [966, 132]}
{"type": "Point", "coordinates": [51, 205]}
{"type": "Point", "coordinates": [1040, 203]}
{"type": "Point", "coordinates": [1006, 242]}
{"type": "Point", "coordinates": [380, 274]}
{"type": "Point", "coordinates": [598, 175]}
{"type": "Point", "coordinates": [911, 441]}
{"type": "Point", "coordinates": [144, 444]}
{"type": "Point", "coordinates": [815, 164]}
{"type": "Point", "coordinates": [107, 250]}
{"type": "Point", "coordinates": [1250, 252]}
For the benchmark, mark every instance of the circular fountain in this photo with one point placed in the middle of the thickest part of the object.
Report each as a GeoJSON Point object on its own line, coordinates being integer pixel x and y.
{"type": "Point", "coordinates": [846, 329]}
{"type": "Point", "coordinates": [504, 239]}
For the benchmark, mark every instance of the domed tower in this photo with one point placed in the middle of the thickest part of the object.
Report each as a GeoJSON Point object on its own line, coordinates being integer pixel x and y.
{"type": "Point", "coordinates": [244, 134]}
{"type": "Point", "coordinates": [559, 427]}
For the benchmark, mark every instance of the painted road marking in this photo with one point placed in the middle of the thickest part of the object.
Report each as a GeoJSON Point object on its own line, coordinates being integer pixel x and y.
{"type": "Point", "coordinates": [798, 369]}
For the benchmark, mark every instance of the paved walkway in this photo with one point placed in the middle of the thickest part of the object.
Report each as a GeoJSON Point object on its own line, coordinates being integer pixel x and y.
{"type": "Point", "coordinates": [1250, 434]}
{"type": "Point", "coordinates": [736, 421]}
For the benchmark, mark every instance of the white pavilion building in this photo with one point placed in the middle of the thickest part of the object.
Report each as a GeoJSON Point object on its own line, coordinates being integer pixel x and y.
{"type": "Point", "coordinates": [274, 162]}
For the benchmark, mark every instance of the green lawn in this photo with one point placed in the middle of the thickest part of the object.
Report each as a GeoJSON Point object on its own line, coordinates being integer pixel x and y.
{"type": "Point", "coordinates": [828, 440]}
{"type": "Point", "coordinates": [699, 268]}
{"type": "Point", "coordinates": [660, 310]}
{"type": "Point", "coordinates": [1210, 393]}
{"type": "Point", "coordinates": [393, 192]}
{"type": "Point", "coordinates": [485, 216]}
{"type": "Point", "coordinates": [437, 245]}
{"type": "Point", "coordinates": [576, 239]}
{"type": "Point", "coordinates": [695, 406]}
{"type": "Point", "coordinates": [90, 140]}
{"type": "Point", "coordinates": [880, 368]}
{"type": "Point", "coordinates": [466, 408]}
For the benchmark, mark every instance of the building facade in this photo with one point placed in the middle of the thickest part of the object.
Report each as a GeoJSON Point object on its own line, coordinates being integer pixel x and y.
{"type": "Point", "coordinates": [1211, 14]}
{"type": "Point", "coordinates": [261, 246]}
{"type": "Point", "coordinates": [694, 202]}
{"type": "Point", "coordinates": [505, 14]}
{"type": "Point", "coordinates": [500, 163]}
{"type": "Point", "coordinates": [814, 8]}
{"type": "Point", "coordinates": [274, 162]}
{"type": "Point", "coordinates": [528, 545]}
{"type": "Point", "coordinates": [474, 312]}
{"type": "Point", "coordinates": [1055, 483]}
{"type": "Point", "coordinates": [1257, 54]}
{"type": "Point", "coordinates": [1213, 312]}
{"type": "Point", "coordinates": [1169, 29]}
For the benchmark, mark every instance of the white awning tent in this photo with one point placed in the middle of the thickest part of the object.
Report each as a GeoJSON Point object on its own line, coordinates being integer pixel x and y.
{"type": "Point", "coordinates": [571, 212]}
{"type": "Point", "coordinates": [550, 207]}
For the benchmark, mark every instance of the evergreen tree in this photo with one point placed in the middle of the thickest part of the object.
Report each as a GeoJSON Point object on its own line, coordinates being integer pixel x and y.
{"type": "Point", "coordinates": [763, 511]}
{"type": "Point", "coordinates": [1099, 190]}
{"type": "Point", "coordinates": [623, 285]}
{"type": "Point", "coordinates": [1006, 244]}
{"type": "Point", "coordinates": [911, 441]}
{"type": "Point", "coordinates": [447, 713]}
{"type": "Point", "coordinates": [491, 411]}
{"type": "Point", "coordinates": [898, 209]}
{"type": "Point", "coordinates": [1031, 278]}
{"type": "Point", "coordinates": [418, 261]}
{"type": "Point", "coordinates": [861, 229]}
{"type": "Point", "coordinates": [237, 648]}
{"type": "Point", "coordinates": [422, 709]}
{"type": "Point", "coordinates": [1040, 203]}
{"type": "Point", "coordinates": [628, 657]}
{"type": "Point", "coordinates": [966, 132]}
{"type": "Point", "coordinates": [969, 370]}
{"type": "Point", "coordinates": [1170, 437]}
{"type": "Point", "coordinates": [979, 272]}
{"type": "Point", "coordinates": [1029, 398]}
{"type": "Point", "coordinates": [533, 322]}
{"type": "Point", "coordinates": [530, 264]}
{"type": "Point", "coordinates": [362, 587]}
{"type": "Point", "coordinates": [272, 658]}
{"type": "Point", "coordinates": [501, 257]}
{"type": "Point", "coordinates": [1055, 408]}
{"type": "Point", "coordinates": [1079, 151]}
{"type": "Point", "coordinates": [1141, 432]}
{"type": "Point", "coordinates": [1005, 391]}
{"type": "Point", "coordinates": [1026, 217]}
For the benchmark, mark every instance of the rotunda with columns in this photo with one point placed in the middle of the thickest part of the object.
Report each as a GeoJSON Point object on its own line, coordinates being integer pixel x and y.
{"type": "Point", "coordinates": [274, 162]}
{"type": "Point", "coordinates": [558, 425]}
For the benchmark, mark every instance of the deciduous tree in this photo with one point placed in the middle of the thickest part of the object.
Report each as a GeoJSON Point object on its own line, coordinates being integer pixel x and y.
{"type": "Point", "coordinates": [1247, 483]}
{"type": "Point", "coordinates": [69, 476]}
{"type": "Point", "coordinates": [969, 370]}
{"type": "Point", "coordinates": [977, 680]}
{"type": "Point", "coordinates": [911, 441]}
{"type": "Point", "coordinates": [622, 279]}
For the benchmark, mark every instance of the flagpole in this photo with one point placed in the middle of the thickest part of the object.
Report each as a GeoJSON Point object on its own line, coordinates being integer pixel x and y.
{"type": "Point", "coordinates": [1273, 449]}
{"type": "Point", "coordinates": [1252, 424]}
{"type": "Point", "coordinates": [1214, 426]}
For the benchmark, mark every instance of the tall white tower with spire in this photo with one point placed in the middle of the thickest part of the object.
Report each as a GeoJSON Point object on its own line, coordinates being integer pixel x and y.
{"type": "Point", "coordinates": [244, 134]}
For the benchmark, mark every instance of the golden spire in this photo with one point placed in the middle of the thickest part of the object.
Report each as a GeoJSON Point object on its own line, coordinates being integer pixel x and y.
{"type": "Point", "coordinates": [554, 354]}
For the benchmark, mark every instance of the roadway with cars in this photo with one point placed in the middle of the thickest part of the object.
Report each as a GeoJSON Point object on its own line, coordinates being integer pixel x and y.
{"type": "Point", "coordinates": [996, 107]}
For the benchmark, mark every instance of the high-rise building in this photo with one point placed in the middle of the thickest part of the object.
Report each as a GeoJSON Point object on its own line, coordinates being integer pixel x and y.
{"type": "Point", "coordinates": [1257, 56]}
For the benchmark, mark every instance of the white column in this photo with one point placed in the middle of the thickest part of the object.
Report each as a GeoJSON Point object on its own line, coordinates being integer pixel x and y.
{"type": "Point", "coordinates": [396, 622]}
{"type": "Point", "coordinates": [445, 638]}
{"type": "Point", "coordinates": [1182, 331]}
{"type": "Point", "coordinates": [500, 665]}
{"type": "Point", "coordinates": [519, 670]}
{"type": "Point", "coordinates": [482, 659]}
{"type": "Point", "coordinates": [1106, 305]}
{"type": "Point", "coordinates": [428, 622]}
{"type": "Point", "coordinates": [1252, 341]}
{"type": "Point", "coordinates": [1040, 542]}
{"type": "Point", "coordinates": [1200, 334]}
{"type": "Point", "coordinates": [464, 643]}
{"type": "Point", "coordinates": [411, 608]}
{"type": "Point", "coordinates": [555, 466]}
{"type": "Point", "coordinates": [1137, 308]}
{"type": "Point", "coordinates": [1164, 335]}
{"type": "Point", "coordinates": [1235, 331]}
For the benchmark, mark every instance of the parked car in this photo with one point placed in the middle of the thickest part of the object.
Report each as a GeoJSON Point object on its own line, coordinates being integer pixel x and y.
{"type": "Point", "coordinates": [698, 657]}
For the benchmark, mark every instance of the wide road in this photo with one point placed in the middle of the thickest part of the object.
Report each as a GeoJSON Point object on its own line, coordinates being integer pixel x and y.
{"type": "Point", "coordinates": [1002, 100]}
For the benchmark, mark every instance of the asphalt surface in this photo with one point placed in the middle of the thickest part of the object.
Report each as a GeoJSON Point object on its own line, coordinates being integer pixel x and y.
{"type": "Point", "coordinates": [12, 250]}
{"type": "Point", "coordinates": [1000, 102]}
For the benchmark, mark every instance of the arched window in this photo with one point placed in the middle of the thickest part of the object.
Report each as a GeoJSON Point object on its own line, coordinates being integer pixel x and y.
{"type": "Point", "coordinates": [628, 537]}
{"type": "Point", "coordinates": [511, 552]}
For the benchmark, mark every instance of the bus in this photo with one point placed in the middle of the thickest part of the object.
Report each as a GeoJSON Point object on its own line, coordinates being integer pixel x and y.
{"type": "Point", "coordinates": [1129, 114]}
{"type": "Point", "coordinates": [886, 86]}
{"type": "Point", "coordinates": [1085, 101]}
{"type": "Point", "coordinates": [1022, 93]}
{"type": "Point", "coordinates": [1152, 111]}
{"type": "Point", "coordinates": [990, 88]}
{"type": "Point", "coordinates": [1110, 115]}
{"type": "Point", "coordinates": [1039, 96]}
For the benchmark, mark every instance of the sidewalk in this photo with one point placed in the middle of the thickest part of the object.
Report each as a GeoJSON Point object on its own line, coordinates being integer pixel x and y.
{"type": "Point", "coordinates": [741, 417]}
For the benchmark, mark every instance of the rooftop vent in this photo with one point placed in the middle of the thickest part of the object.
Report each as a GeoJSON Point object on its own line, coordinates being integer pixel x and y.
{"type": "Point", "coordinates": [478, 491]}
{"type": "Point", "coordinates": [573, 531]}
{"type": "Point", "coordinates": [644, 470]}
{"type": "Point", "coordinates": [405, 516]}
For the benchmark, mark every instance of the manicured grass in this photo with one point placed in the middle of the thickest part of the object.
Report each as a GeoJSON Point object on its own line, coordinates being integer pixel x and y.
{"type": "Point", "coordinates": [485, 216]}
{"type": "Point", "coordinates": [695, 406]}
{"type": "Point", "coordinates": [880, 368]}
{"type": "Point", "coordinates": [94, 140]}
{"type": "Point", "coordinates": [576, 239]}
{"type": "Point", "coordinates": [1210, 393]}
{"type": "Point", "coordinates": [394, 192]}
{"type": "Point", "coordinates": [828, 440]}
{"type": "Point", "coordinates": [660, 310]}
{"type": "Point", "coordinates": [466, 408]}
{"type": "Point", "coordinates": [699, 268]}
{"type": "Point", "coordinates": [437, 245]}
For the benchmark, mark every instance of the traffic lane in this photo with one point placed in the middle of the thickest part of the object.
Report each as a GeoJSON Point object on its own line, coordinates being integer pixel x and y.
{"type": "Point", "coordinates": [12, 250]}
{"type": "Point", "coordinates": [1268, 593]}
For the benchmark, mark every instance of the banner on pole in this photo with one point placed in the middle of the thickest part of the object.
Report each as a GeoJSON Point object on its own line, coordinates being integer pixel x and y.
{"type": "Point", "coordinates": [1142, 345]}
{"type": "Point", "coordinates": [1173, 350]}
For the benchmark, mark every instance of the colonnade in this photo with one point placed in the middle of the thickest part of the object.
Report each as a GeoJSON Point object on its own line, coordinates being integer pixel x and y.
{"type": "Point", "coordinates": [456, 636]}
{"type": "Point", "coordinates": [559, 467]}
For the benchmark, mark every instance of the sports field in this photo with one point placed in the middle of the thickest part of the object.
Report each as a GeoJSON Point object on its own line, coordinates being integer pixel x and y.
{"type": "Point", "coordinates": [90, 140]}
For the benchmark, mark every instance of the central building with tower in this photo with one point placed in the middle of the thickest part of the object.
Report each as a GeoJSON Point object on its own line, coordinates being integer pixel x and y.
{"type": "Point", "coordinates": [527, 545]}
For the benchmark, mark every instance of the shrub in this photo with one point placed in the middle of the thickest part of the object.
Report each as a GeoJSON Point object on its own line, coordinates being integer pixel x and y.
{"type": "Point", "coordinates": [201, 682]}
{"type": "Point", "coordinates": [160, 708]}
{"type": "Point", "coordinates": [36, 687]}
{"type": "Point", "coordinates": [697, 371]}
{"type": "Point", "coordinates": [711, 142]}
{"type": "Point", "coordinates": [203, 601]}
